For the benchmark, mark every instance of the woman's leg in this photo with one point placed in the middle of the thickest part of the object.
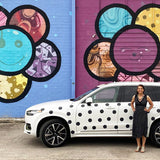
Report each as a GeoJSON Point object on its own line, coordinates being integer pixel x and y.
{"type": "Point", "coordinates": [138, 142]}
{"type": "Point", "coordinates": [143, 141]}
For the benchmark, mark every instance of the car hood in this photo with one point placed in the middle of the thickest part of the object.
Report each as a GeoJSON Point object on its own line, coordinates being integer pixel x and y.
{"type": "Point", "coordinates": [51, 104]}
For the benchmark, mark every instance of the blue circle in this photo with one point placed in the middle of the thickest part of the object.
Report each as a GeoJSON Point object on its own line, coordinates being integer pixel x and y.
{"type": "Point", "coordinates": [15, 50]}
{"type": "Point", "coordinates": [112, 20]}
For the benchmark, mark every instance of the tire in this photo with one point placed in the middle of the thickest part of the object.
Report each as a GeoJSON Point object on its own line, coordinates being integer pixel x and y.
{"type": "Point", "coordinates": [54, 133]}
{"type": "Point", "coordinates": [155, 134]}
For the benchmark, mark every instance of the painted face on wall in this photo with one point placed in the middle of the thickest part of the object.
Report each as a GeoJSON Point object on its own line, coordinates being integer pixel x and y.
{"type": "Point", "coordinates": [15, 50]}
{"type": "Point", "coordinates": [135, 50]}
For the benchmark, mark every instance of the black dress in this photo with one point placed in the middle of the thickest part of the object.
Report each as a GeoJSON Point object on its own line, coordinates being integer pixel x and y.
{"type": "Point", "coordinates": [140, 118]}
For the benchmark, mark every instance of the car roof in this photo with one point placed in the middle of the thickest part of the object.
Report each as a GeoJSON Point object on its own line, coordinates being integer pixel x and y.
{"type": "Point", "coordinates": [129, 84]}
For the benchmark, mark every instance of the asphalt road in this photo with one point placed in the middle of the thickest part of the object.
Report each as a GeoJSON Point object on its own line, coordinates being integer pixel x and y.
{"type": "Point", "coordinates": [15, 145]}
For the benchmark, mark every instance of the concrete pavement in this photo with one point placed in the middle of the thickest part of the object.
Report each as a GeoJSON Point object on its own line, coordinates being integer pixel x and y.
{"type": "Point", "coordinates": [15, 145]}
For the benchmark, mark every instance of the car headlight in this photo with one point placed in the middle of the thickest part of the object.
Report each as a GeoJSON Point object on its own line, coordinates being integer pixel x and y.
{"type": "Point", "coordinates": [33, 112]}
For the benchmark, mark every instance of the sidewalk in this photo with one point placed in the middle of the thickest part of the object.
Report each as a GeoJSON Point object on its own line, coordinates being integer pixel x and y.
{"type": "Point", "coordinates": [11, 120]}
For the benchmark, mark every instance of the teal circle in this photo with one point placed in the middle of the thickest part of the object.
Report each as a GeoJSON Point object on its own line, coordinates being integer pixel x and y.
{"type": "Point", "coordinates": [15, 50]}
{"type": "Point", "coordinates": [112, 20]}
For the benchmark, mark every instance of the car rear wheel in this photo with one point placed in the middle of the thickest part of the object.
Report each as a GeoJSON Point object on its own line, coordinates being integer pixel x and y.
{"type": "Point", "coordinates": [54, 133]}
{"type": "Point", "coordinates": [155, 134]}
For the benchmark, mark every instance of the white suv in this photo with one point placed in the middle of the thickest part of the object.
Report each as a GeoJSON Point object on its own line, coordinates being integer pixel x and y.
{"type": "Point", "coordinates": [104, 111]}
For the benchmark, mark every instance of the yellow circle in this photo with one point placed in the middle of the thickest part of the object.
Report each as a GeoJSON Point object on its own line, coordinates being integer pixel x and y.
{"type": "Point", "coordinates": [150, 18]}
{"type": "Point", "coordinates": [12, 87]}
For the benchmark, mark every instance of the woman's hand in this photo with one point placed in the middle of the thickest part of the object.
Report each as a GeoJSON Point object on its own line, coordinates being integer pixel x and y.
{"type": "Point", "coordinates": [145, 109]}
{"type": "Point", "coordinates": [133, 109]}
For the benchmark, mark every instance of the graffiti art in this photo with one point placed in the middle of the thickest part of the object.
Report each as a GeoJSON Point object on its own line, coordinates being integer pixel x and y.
{"type": "Point", "coordinates": [133, 44]}
{"type": "Point", "coordinates": [25, 53]}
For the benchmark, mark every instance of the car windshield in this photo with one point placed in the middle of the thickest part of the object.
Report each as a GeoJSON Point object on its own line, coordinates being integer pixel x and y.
{"type": "Point", "coordinates": [81, 96]}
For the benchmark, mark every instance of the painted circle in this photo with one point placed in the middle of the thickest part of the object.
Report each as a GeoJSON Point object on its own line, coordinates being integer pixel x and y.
{"type": "Point", "coordinates": [32, 20]}
{"type": "Point", "coordinates": [111, 19]}
{"type": "Point", "coordinates": [135, 49]}
{"type": "Point", "coordinates": [150, 18]}
{"type": "Point", "coordinates": [3, 18]}
{"type": "Point", "coordinates": [98, 62]}
{"type": "Point", "coordinates": [14, 58]}
{"type": "Point", "coordinates": [12, 86]}
{"type": "Point", "coordinates": [122, 77]}
{"type": "Point", "coordinates": [46, 63]}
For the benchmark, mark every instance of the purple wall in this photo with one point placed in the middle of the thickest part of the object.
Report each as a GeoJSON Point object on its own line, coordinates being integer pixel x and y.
{"type": "Point", "coordinates": [116, 42]}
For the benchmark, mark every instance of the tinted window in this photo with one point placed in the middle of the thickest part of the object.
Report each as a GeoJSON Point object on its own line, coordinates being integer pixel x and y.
{"type": "Point", "coordinates": [126, 93]}
{"type": "Point", "coordinates": [105, 95]}
{"type": "Point", "coordinates": [153, 92]}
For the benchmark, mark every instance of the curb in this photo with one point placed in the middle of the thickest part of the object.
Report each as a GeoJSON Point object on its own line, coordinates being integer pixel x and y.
{"type": "Point", "coordinates": [12, 120]}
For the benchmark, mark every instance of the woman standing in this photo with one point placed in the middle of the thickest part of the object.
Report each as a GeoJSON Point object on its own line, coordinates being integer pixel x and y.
{"type": "Point", "coordinates": [140, 119]}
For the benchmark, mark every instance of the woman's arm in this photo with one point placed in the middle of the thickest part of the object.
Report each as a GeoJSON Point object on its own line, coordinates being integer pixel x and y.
{"type": "Point", "coordinates": [132, 102]}
{"type": "Point", "coordinates": [151, 104]}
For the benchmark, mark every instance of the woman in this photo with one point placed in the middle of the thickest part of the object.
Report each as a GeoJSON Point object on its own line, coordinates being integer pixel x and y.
{"type": "Point", "coordinates": [140, 120]}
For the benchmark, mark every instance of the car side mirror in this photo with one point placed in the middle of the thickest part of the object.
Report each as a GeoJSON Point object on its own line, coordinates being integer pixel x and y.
{"type": "Point", "coordinates": [89, 101]}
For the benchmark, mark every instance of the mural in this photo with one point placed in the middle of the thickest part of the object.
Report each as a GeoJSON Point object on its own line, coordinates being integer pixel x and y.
{"type": "Point", "coordinates": [128, 47]}
{"type": "Point", "coordinates": [25, 53]}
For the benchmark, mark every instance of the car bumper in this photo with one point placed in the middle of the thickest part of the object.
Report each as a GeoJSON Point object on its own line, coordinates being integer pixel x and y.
{"type": "Point", "coordinates": [31, 123]}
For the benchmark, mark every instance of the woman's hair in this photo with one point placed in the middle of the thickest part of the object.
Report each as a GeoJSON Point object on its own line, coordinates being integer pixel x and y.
{"type": "Point", "coordinates": [140, 85]}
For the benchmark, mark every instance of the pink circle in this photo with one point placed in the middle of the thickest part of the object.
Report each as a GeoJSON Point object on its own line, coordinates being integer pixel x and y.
{"type": "Point", "coordinates": [134, 78]}
{"type": "Point", "coordinates": [3, 19]}
{"type": "Point", "coordinates": [135, 50]}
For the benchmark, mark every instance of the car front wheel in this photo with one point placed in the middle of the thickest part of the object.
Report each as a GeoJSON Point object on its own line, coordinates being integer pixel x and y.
{"type": "Point", "coordinates": [54, 133]}
{"type": "Point", "coordinates": [155, 134]}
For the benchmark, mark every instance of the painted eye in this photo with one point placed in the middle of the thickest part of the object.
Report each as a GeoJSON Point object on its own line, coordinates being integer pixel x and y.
{"type": "Point", "coordinates": [18, 43]}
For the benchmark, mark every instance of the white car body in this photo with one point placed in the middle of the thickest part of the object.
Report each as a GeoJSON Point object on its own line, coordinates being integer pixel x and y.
{"type": "Point", "coordinates": [96, 120]}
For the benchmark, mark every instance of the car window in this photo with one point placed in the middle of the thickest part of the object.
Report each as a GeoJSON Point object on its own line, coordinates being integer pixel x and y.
{"type": "Point", "coordinates": [153, 92]}
{"type": "Point", "coordinates": [105, 95]}
{"type": "Point", "coordinates": [126, 93]}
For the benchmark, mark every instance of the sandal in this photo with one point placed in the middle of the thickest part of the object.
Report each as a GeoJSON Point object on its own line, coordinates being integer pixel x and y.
{"type": "Point", "coordinates": [138, 149]}
{"type": "Point", "coordinates": [142, 150]}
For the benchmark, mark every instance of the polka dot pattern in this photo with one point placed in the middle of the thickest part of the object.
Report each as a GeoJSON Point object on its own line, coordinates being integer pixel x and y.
{"type": "Point", "coordinates": [68, 113]}
{"type": "Point", "coordinates": [50, 112]}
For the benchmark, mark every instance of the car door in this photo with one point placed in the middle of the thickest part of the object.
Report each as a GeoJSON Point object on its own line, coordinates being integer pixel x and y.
{"type": "Point", "coordinates": [125, 113]}
{"type": "Point", "coordinates": [101, 116]}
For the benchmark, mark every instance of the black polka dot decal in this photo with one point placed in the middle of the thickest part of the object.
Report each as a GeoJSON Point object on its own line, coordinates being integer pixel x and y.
{"type": "Point", "coordinates": [85, 127]}
{"type": "Point", "coordinates": [101, 111]}
{"type": "Point", "coordinates": [104, 126]}
{"type": "Point", "coordinates": [114, 112]}
{"type": "Point", "coordinates": [108, 118]}
{"type": "Point", "coordinates": [153, 118]}
{"type": "Point", "coordinates": [59, 108]}
{"type": "Point", "coordinates": [68, 113]}
{"type": "Point", "coordinates": [107, 104]}
{"type": "Point", "coordinates": [121, 119]}
{"type": "Point", "coordinates": [89, 120]}
{"type": "Point", "coordinates": [72, 132]}
{"type": "Point", "coordinates": [129, 104]}
{"type": "Point", "coordinates": [158, 110]}
{"type": "Point", "coordinates": [71, 106]}
{"type": "Point", "coordinates": [89, 112]}
{"type": "Point", "coordinates": [96, 105]}
{"type": "Point", "coordinates": [99, 119]}
{"type": "Point", "coordinates": [50, 112]}
{"type": "Point", "coordinates": [77, 123]}
{"type": "Point", "coordinates": [79, 114]}
{"type": "Point", "coordinates": [82, 105]}
{"type": "Point", "coordinates": [130, 117]}
{"type": "Point", "coordinates": [125, 110]}
{"type": "Point", "coordinates": [69, 122]}
{"type": "Point", "coordinates": [116, 127]}
{"type": "Point", "coordinates": [127, 126]}
{"type": "Point", "coordinates": [94, 127]}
